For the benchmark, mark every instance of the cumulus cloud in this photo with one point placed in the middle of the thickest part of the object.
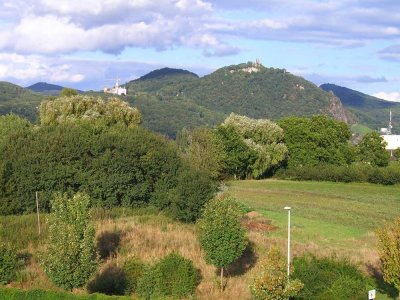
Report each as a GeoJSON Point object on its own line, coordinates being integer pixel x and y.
{"type": "Point", "coordinates": [391, 96]}
{"type": "Point", "coordinates": [23, 69]}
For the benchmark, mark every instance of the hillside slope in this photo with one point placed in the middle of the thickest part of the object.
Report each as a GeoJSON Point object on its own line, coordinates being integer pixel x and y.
{"type": "Point", "coordinates": [371, 111]}
{"type": "Point", "coordinates": [247, 89]}
{"type": "Point", "coordinates": [16, 99]}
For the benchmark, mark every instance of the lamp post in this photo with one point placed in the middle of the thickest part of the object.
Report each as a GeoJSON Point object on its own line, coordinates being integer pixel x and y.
{"type": "Point", "coordinates": [288, 208]}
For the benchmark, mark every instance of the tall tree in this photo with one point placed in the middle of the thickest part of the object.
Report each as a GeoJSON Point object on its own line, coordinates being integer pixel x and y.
{"type": "Point", "coordinates": [220, 233]}
{"type": "Point", "coordinates": [71, 255]}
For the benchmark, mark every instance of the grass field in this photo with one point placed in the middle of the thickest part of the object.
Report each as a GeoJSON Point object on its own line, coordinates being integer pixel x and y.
{"type": "Point", "coordinates": [327, 217]}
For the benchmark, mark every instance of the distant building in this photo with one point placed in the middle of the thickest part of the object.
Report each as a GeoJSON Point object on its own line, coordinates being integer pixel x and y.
{"type": "Point", "coordinates": [392, 140]}
{"type": "Point", "coordinates": [116, 89]}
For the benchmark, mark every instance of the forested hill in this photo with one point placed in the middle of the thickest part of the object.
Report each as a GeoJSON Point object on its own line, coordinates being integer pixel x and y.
{"type": "Point", "coordinates": [371, 111]}
{"type": "Point", "coordinates": [246, 89]}
{"type": "Point", "coordinates": [45, 88]}
{"type": "Point", "coordinates": [18, 100]}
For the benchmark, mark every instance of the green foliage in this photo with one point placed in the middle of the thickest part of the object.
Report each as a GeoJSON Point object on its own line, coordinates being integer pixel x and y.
{"type": "Point", "coordinates": [273, 282]}
{"type": "Point", "coordinates": [396, 153]}
{"type": "Point", "coordinates": [372, 150]}
{"type": "Point", "coordinates": [221, 235]}
{"type": "Point", "coordinates": [329, 278]}
{"type": "Point", "coordinates": [355, 172]}
{"type": "Point", "coordinates": [173, 276]}
{"type": "Point", "coordinates": [17, 100]}
{"type": "Point", "coordinates": [8, 263]}
{"type": "Point", "coordinates": [316, 140]}
{"type": "Point", "coordinates": [133, 269]}
{"type": "Point", "coordinates": [68, 92]}
{"type": "Point", "coordinates": [16, 294]}
{"type": "Point", "coordinates": [71, 108]}
{"type": "Point", "coordinates": [110, 281]}
{"type": "Point", "coordinates": [264, 138]}
{"type": "Point", "coordinates": [116, 166]}
{"type": "Point", "coordinates": [203, 150]}
{"type": "Point", "coordinates": [185, 200]}
{"type": "Point", "coordinates": [389, 252]}
{"type": "Point", "coordinates": [70, 258]}
{"type": "Point", "coordinates": [238, 155]}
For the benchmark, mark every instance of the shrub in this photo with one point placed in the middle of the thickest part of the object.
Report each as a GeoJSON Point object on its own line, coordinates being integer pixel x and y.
{"type": "Point", "coordinates": [8, 263]}
{"type": "Point", "coordinates": [133, 269]}
{"type": "Point", "coordinates": [110, 281]}
{"type": "Point", "coordinates": [329, 278]}
{"type": "Point", "coordinates": [173, 276]}
{"type": "Point", "coordinates": [273, 283]}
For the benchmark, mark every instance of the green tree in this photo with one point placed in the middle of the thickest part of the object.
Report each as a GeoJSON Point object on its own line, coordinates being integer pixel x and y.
{"type": "Point", "coordinates": [80, 107]}
{"type": "Point", "coordinates": [389, 252]}
{"type": "Point", "coordinates": [68, 92]}
{"type": "Point", "coordinates": [371, 149]}
{"type": "Point", "coordinates": [263, 138]}
{"type": "Point", "coordinates": [273, 282]}
{"type": "Point", "coordinates": [220, 233]}
{"type": "Point", "coordinates": [70, 258]}
{"type": "Point", "coordinates": [316, 140]}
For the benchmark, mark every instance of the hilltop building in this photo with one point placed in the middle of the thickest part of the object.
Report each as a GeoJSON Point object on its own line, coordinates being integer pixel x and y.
{"type": "Point", "coordinates": [116, 89]}
{"type": "Point", "coordinates": [392, 140]}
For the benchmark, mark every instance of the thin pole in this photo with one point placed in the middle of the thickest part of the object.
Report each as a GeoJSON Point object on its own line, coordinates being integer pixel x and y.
{"type": "Point", "coordinates": [37, 210]}
{"type": "Point", "coordinates": [288, 247]}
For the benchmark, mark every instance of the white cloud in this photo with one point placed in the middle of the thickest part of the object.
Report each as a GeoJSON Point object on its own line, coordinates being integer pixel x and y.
{"type": "Point", "coordinates": [391, 96]}
{"type": "Point", "coordinates": [23, 69]}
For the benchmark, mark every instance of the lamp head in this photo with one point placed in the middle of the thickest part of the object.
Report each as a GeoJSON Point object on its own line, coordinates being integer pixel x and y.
{"type": "Point", "coordinates": [287, 208]}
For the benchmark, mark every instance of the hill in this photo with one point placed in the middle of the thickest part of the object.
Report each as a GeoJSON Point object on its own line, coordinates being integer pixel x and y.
{"type": "Point", "coordinates": [45, 88]}
{"type": "Point", "coordinates": [16, 99]}
{"type": "Point", "coordinates": [371, 111]}
{"type": "Point", "coordinates": [247, 89]}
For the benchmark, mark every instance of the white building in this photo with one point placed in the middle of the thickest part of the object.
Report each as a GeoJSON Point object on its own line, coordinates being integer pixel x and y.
{"type": "Point", "coordinates": [392, 140]}
{"type": "Point", "coordinates": [116, 90]}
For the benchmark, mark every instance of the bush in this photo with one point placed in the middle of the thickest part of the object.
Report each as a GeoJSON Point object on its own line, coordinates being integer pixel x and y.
{"type": "Point", "coordinates": [133, 269]}
{"type": "Point", "coordinates": [173, 276]}
{"type": "Point", "coordinates": [110, 281]}
{"type": "Point", "coordinates": [354, 173]}
{"type": "Point", "coordinates": [8, 263]}
{"type": "Point", "coordinates": [329, 278]}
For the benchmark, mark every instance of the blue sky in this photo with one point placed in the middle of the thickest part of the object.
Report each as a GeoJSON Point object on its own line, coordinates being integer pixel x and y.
{"type": "Point", "coordinates": [84, 44]}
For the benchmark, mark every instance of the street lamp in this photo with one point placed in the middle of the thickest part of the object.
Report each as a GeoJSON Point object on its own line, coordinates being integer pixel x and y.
{"type": "Point", "coordinates": [288, 208]}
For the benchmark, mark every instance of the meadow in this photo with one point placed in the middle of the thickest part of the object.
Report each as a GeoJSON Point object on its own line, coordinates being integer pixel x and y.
{"type": "Point", "coordinates": [327, 219]}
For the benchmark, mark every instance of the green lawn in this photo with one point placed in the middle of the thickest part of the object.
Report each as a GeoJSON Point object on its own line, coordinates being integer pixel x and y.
{"type": "Point", "coordinates": [335, 216]}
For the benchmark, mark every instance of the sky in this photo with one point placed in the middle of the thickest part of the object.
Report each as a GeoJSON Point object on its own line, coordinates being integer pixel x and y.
{"type": "Point", "coordinates": [86, 44]}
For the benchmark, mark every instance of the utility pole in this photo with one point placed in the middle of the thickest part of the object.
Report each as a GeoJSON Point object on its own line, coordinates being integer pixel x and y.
{"type": "Point", "coordinates": [288, 208]}
{"type": "Point", "coordinates": [37, 211]}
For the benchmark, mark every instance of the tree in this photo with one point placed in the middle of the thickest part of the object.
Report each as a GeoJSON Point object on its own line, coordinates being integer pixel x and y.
{"type": "Point", "coordinates": [220, 233]}
{"type": "Point", "coordinates": [263, 139]}
{"type": "Point", "coordinates": [80, 107]}
{"type": "Point", "coordinates": [273, 283]}
{"type": "Point", "coordinates": [371, 149]}
{"type": "Point", "coordinates": [389, 252]}
{"type": "Point", "coordinates": [316, 140]}
{"type": "Point", "coordinates": [68, 92]}
{"type": "Point", "coordinates": [71, 256]}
